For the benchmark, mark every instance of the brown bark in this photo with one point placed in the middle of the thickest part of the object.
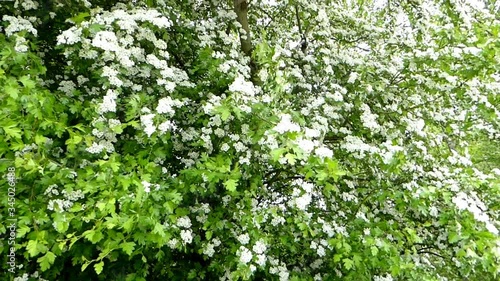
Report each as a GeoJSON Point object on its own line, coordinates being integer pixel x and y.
{"type": "Point", "coordinates": [241, 10]}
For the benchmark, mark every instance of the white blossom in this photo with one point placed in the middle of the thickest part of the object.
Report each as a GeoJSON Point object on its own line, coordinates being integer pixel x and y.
{"type": "Point", "coordinates": [240, 85]}
{"type": "Point", "coordinates": [244, 239]}
{"type": "Point", "coordinates": [303, 201]}
{"type": "Point", "coordinates": [245, 255]}
{"type": "Point", "coordinates": [184, 222]}
{"type": "Point", "coordinates": [286, 125]}
{"type": "Point", "coordinates": [259, 247]}
{"type": "Point", "coordinates": [17, 24]}
{"type": "Point", "coordinates": [106, 40]}
{"type": "Point", "coordinates": [187, 236]}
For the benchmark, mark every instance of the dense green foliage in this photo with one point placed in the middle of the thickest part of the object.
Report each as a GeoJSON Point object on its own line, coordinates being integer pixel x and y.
{"type": "Point", "coordinates": [339, 140]}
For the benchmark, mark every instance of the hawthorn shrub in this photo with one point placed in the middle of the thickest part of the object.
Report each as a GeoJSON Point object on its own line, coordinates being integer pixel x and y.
{"type": "Point", "coordinates": [148, 143]}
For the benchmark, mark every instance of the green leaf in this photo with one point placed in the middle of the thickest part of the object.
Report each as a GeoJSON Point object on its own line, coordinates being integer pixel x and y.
{"type": "Point", "coordinates": [291, 158]}
{"type": "Point", "coordinates": [13, 132]}
{"type": "Point", "coordinates": [357, 259]}
{"type": "Point", "coordinates": [98, 267]}
{"type": "Point", "coordinates": [62, 245]}
{"type": "Point", "coordinates": [21, 231]}
{"type": "Point", "coordinates": [61, 226]}
{"type": "Point", "coordinates": [40, 140]}
{"type": "Point", "coordinates": [80, 18]}
{"type": "Point", "coordinates": [115, 166]}
{"type": "Point", "coordinates": [85, 265]}
{"type": "Point", "coordinates": [128, 247]}
{"type": "Point", "coordinates": [224, 113]}
{"type": "Point", "coordinates": [158, 229]}
{"type": "Point", "coordinates": [27, 82]}
{"type": "Point", "coordinates": [453, 237]}
{"type": "Point", "coordinates": [13, 92]}
{"type": "Point", "coordinates": [46, 261]}
{"type": "Point", "coordinates": [76, 139]}
{"type": "Point", "coordinates": [231, 185]}
{"type": "Point", "coordinates": [348, 263]}
{"type": "Point", "coordinates": [32, 248]}
{"type": "Point", "coordinates": [127, 226]}
{"type": "Point", "coordinates": [277, 153]}
{"type": "Point", "coordinates": [347, 247]}
{"type": "Point", "coordinates": [93, 236]}
{"type": "Point", "coordinates": [101, 206]}
{"type": "Point", "coordinates": [337, 257]}
{"type": "Point", "coordinates": [374, 250]}
{"type": "Point", "coordinates": [96, 27]}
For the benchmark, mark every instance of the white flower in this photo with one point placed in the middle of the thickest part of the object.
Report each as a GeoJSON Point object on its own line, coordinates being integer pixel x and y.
{"type": "Point", "coordinates": [261, 260]}
{"type": "Point", "coordinates": [308, 187]}
{"type": "Point", "coordinates": [109, 72]}
{"type": "Point", "coordinates": [108, 103]}
{"type": "Point", "coordinates": [172, 243]}
{"type": "Point", "coordinates": [415, 125]}
{"type": "Point", "coordinates": [303, 201]}
{"type": "Point", "coordinates": [491, 228]}
{"type": "Point", "coordinates": [209, 250]}
{"type": "Point", "coordinates": [312, 133]}
{"type": "Point", "coordinates": [433, 211]}
{"type": "Point", "coordinates": [277, 220]}
{"type": "Point", "coordinates": [322, 16]}
{"type": "Point", "coordinates": [225, 147]}
{"type": "Point", "coordinates": [167, 126]}
{"type": "Point", "coordinates": [283, 273]}
{"type": "Point", "coordinates": [216, 242]}
{"type": "Point", "coordinates": [239, 147]}
{"type": "Point", "coordinates": [323, 152]}
{"type": "Point", "coordinates": [70, 36]}
{"type": "Point", "coordinates": [352, 77]}
{"type": "Point", "coordinates": [321, 251]}
{"type": "Point", "coordinates": [259, 247]}
{"type": "Point", "coordinates": [95, 148]}
{"type": "Point", "coordinates": [184, 222]}
{"type": "Point", "coordinates": [147, 121]}
{"type": "Point", "coordinates": [245, 255]}
{"type": "Point", "coordinates": [306, 145]}
{"type": "Point", "coordinates": [220, 133]}
{"type": "Point", "coordinates": [187, 236]}
{"type": "Point", "coordinates": [266, 98]}
{"type": "Point", "coordinates": [388, 277]}
{"type": "Point", "coordinates": [29, 5]}
{"type": "Point", "coordinates": [337, 96]}
{"type": "Point", "coordinates": [286, 125]}
{"type": "Point", "coordinates": [146, 186]}
{"type": "Point", "coordinates": [461, 201]}
{"type": "Point", "coordinates": [368, 118]}
{"type": "Point", "coordinates": [165, 106]}
{"type": "Point", "coordinates": [242, 86]}
{"type": "Point", "coordinates": [328, 229]}
{"type": "Point", "coordinates": [18, 24]}
{"type": "Point", "coordinates": [106, 40]}
{"type": "Point", "coordinates": [244, 239]}
{"type": "Point", "coordinates": [21, 46]}
{"type": "Point", "coordinates": [224, 67]}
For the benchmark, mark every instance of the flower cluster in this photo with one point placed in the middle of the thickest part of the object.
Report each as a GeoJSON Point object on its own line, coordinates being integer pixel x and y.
{"type": "Point", "coordinates": [67, 201]}
{"type": "Point", "coordinates": [17, 24]}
